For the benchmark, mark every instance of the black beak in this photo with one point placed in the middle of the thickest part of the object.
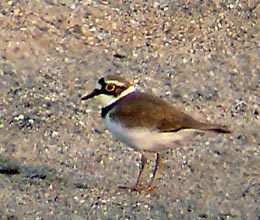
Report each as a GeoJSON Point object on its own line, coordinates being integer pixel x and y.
{"type": "Point", "coordinates": [94, 93]}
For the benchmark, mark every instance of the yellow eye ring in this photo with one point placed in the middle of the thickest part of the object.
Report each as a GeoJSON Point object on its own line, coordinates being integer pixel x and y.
{"type": "Point", "coordinates": [110, 87]}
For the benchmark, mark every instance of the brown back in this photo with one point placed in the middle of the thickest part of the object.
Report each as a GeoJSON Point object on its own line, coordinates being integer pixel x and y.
{"type": "Point", "coordinates": [144, 110]}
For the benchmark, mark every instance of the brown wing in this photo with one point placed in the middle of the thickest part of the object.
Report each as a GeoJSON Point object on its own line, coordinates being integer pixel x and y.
{"type": "Point", "coordinates": [144, 110]}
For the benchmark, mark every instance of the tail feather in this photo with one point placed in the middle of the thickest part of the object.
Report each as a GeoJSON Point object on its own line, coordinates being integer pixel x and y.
{"type": "Point", "coordinates": [214, 127]}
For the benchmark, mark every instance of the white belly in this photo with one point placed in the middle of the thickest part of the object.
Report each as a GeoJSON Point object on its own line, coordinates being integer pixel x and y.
{"type": "Point", "coordinates": [144, 139]}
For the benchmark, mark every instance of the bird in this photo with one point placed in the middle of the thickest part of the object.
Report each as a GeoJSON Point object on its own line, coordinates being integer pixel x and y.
{"type": "Point", "coordinates": [145, 122]}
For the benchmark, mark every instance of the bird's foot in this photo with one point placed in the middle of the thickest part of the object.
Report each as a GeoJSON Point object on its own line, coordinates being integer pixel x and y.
{"type": "Point", "coordinates": [130, 188]}
{"type": "Point", "coordinates": [138, 188]}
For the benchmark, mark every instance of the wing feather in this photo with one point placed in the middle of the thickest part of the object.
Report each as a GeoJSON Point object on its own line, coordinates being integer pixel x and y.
{"type": "Point", "coordinates": [144, 110]}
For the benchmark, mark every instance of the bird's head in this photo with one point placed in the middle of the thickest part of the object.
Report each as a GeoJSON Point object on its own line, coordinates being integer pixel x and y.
{"type": "Point", "coordinates": [110, 89]}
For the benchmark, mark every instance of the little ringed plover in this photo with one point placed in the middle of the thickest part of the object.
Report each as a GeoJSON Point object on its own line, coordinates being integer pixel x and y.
{"type": "Point", "coordinates": [144, 122]}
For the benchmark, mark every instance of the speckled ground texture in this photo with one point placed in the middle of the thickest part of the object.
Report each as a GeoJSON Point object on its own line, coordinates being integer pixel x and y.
{"type": "Point", "coordinates": [57, 161]}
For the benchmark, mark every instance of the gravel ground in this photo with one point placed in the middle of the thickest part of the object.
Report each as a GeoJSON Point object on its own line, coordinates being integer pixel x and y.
{"type": "Point", "coordinates": [57, 161]}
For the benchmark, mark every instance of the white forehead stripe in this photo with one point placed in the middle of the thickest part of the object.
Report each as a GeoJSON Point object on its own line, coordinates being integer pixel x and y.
{"type": "Point", "coordinates": [115, 82]}
{"type": "Point", "coordinates": [98, 86]}
{"type": "Point", "coordinates": [109, 99]}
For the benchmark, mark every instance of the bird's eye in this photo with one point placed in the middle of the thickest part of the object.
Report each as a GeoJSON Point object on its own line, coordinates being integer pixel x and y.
{"type": "Point", "coordinates": [110, 87]}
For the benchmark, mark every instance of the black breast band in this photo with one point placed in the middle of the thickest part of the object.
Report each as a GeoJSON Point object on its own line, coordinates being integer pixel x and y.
{"type": "Point", "coordinates": [107, 108]}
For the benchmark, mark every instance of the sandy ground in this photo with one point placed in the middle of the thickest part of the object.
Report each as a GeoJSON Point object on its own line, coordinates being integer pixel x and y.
{"type": "Point", "coordinates": [57, 161]}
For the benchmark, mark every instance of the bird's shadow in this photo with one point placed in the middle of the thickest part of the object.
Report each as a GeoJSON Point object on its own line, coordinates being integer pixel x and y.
{"type": "Point", "coordinates": [12, 166]}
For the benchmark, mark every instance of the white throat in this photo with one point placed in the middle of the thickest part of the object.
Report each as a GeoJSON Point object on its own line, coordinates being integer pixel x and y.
{"type": "Point", "coordinates": [106, 100]}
